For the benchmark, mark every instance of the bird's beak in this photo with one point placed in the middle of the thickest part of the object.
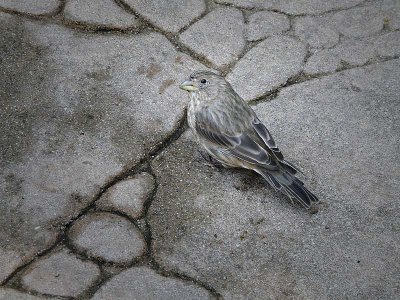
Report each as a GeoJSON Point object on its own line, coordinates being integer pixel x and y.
{"type": "Point", "coordinates": [188, 86]}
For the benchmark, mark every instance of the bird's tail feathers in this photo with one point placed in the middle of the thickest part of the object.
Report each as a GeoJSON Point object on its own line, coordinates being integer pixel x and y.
{"type": "Point", "coordinates": [291, 168]}
{"type": "Point", "coordinates": [290, 185]}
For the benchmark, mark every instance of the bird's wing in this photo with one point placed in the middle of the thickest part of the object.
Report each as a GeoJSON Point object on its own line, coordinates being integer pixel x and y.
{"type": "Point", "coordinates": [264, 134]}
{"type": "Point", "coordinates": [240, 145]}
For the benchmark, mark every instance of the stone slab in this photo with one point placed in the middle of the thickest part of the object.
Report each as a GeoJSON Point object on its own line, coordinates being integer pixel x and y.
{"type": "Point", "coordinates": [107, 236]}
{"type": "Point", "coordinates": [264, 23]}
{"type": "Point", "coordinates": [316, 31]}
{"type": "Point", "coordinates": [128, 196]}
{"type": "Point", "coordinates": [170, 15]}
{"type": "Point", "coordinates": [60, 274]}
{"type": "Point", "coordinates": [267, 66]}
{"type": "Point", "coordinates": [11, 294]}
{"type": "Point", "coordinates": [359, 22]}
{"type": "Point", "coordinates": [354, 53]}
{"type": "Point", "coordinates": [144, 283]}
{"type": "Point", "coordinates": [35, 7]}
{"type": "Point", "coordinates": [104, 13]}
{"type": "Point", "coordinates": [220, 42]}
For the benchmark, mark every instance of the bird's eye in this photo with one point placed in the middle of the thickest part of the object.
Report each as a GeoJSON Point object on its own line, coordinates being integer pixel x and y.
{"type": "Point", "coordinates": [203, 81]}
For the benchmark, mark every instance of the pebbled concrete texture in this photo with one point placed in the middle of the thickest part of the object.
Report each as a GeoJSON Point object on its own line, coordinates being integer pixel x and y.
{"type": "Point", "coordinates": [103, 192]}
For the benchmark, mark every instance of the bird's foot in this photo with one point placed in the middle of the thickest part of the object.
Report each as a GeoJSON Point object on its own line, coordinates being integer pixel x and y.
{"type": "Point", "coordinates": [210, 161]}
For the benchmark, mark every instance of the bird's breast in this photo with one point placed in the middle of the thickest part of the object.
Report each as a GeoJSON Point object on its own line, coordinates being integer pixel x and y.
{"type": "Point", "coordinates": [194, 105]}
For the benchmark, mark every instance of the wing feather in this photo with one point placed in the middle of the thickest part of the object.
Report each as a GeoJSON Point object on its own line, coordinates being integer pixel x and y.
{"type": "Point", "coordinates": [241, 146]}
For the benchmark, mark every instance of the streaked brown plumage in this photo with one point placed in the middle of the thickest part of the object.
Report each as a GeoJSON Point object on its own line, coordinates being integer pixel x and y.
{"type": "Point", "coordinates": [228, 128]}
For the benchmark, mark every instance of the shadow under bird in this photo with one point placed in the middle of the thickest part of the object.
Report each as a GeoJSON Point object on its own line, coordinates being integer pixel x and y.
{"type": "Point", "coordinates": [228, 128]}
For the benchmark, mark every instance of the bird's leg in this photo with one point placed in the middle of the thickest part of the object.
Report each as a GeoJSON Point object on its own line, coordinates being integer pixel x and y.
{"type": "Point", "coordinates": [210, 161]}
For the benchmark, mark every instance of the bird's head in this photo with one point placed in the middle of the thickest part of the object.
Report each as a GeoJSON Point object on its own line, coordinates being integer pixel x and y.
{"type": "Point", "coordinates": [206, 83]}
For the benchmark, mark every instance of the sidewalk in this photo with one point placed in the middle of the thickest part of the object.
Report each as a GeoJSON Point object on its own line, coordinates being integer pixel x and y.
{"type": "Point", "coordinates": [105, 196]}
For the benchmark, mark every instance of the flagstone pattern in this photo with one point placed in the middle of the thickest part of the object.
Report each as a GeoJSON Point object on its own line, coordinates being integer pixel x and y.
{"type": "Point", "coordinates": [103, 194]}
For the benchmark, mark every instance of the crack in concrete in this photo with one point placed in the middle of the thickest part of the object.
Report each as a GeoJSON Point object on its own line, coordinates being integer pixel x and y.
{"type": "Point", "coordinates": [257, 9]}
{"type": "Point", "coordinates": [181, 276]}
{"type": "Point", "coordinates": [13, 280]}
{"type": "Point", "coordinates": [206, 11]}
{"type": "Point", "coordinates": [101, 280]}
{"type": "Point", "coordinates": [301, 77]}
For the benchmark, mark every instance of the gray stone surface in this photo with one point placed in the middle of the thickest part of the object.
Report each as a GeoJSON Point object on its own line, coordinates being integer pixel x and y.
{"type": "Point", "coordinates": [105, 13]}
{"type": "Point", "coordinates": [107, 236]}
{"type": "Point", "coordinates": [354, 53]}
{"type": "Point", "coordinates": [220, 42]}
{"type": "Point", "coordinates": [316, 31]}
{"type": "Point", "coordinates": [267, 66]}
{"type": "Point", "coordinates": [35, 7]}
{"type": "Point", "coordinates": [83, 106]}
{"type": "Point", "coordinates": [359, 22]}
{"type": "Point", "coordinates": [60, 274]}
{"type": "Point", "coordinates": [143, 283]}
{"type": "Point", "coordinates": [11, 294]}
{"type": "Point", "coordinates": [231, 230]}
{"type": "Point", "coordinates": [128, 196]}
{"type": "Point", "coordinates": [265, 23]}
{"type": "Point", "coordinates": [76, 110]}
{"type": "Point", "coordinates": [10, 259]}
{"type": "Point", "coordinates": [355, 23]}
{"type": "Point", "coordinates": [170, 15]}
{"type": "Point", "coordinates": [391, 12]}
{"type": "Point", "coordinates": [298, 7]}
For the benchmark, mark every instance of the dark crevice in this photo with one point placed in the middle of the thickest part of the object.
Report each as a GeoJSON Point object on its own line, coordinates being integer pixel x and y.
{"type": "Point", "coordinates": [9, 281]}
{"type": "Point", "coordinates": [206, 11]}
{"type": "Point", "coordinates": [144, 164]}
{"type": "Point", "coordinates": [172, 37]}
{"type": "Point", "coordinates": [302, 77]}
{"type": "Point", "coordinates": [266, 97]}
{"type": "Point", "coordinates": [96, 28]}
{"type": "Point", "coordinates": [256, 9]}
{"type": "Point", "coordinates": [62, 237]}
{"type": "Point", "coordinates": [13, 281]}
{"type": "Point", "coordinates": [156, 266]}
{"type": "Point", "coordinates": [47, 16]}
{"type": "Point", "coordinates": [174, 274]}
{"type": "Point", "coordinates": [61, 7]}
{"type": "Point", "coordinates": [92, 289]}
{"type": "Point", "coordinates": [85, 255]}
{"type": "Point", "coordinates": [174, 40]}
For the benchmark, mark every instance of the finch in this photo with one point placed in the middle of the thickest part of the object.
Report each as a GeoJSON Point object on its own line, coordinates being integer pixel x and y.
{"type": "Point", "coordinates": [230, 131]}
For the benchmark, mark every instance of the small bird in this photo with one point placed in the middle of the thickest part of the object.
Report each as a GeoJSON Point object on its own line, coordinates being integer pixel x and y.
{"type": "Point", "coordinates": [230, 131]}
